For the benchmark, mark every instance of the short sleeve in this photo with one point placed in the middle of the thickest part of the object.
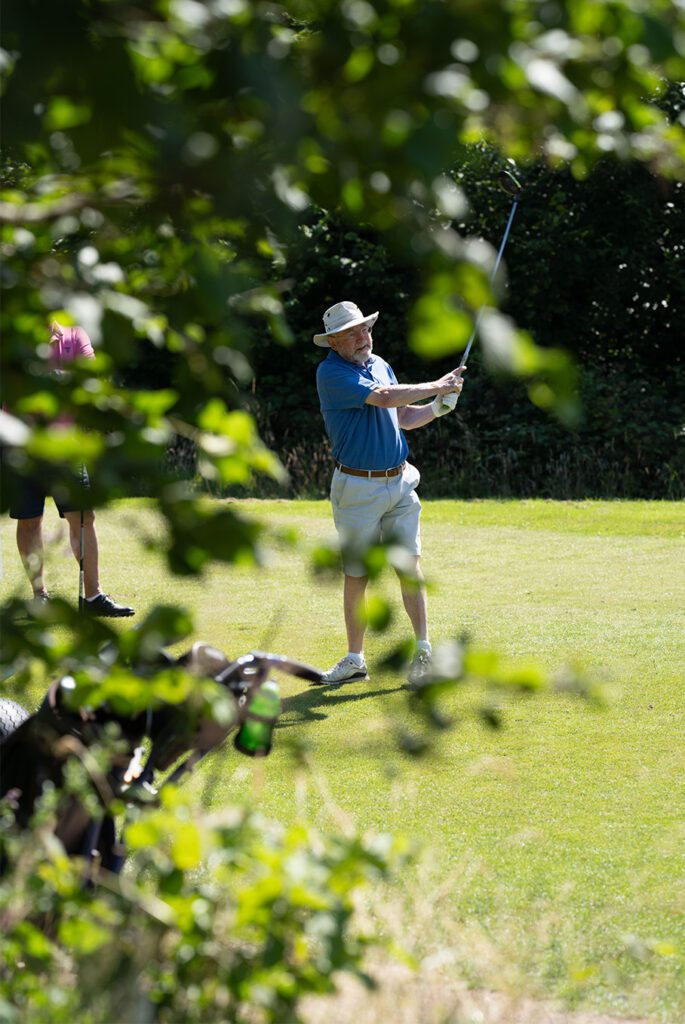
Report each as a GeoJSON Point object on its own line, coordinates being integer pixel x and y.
{"type": "Point", "coordinates": [342, 387]}
{"type": "Point", "coordinates": [82, 343]}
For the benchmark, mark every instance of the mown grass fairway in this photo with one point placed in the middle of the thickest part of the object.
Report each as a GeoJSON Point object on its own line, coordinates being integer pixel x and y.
{"type": "Point", "coordinates": [555, 848]}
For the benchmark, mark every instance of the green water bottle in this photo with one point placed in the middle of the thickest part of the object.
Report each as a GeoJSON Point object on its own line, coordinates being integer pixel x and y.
{"type": "Point", "coordinates": [254, 736]}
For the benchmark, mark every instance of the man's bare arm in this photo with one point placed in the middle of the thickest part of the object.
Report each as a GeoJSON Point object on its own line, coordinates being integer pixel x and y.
{"type": "Point", "coordinates": [413, 416]}
{"type": "Point", "coordinates": [398, 396]}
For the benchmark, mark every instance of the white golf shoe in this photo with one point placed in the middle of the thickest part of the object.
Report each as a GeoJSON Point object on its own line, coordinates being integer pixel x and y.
{"type": "Point", "coordinates": [345, 671]}
{"type": "Point", "coordinates": [420, 671]}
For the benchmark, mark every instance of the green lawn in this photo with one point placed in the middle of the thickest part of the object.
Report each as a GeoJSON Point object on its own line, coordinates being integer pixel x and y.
{"type": "Point", "coordinates": [554, 850]}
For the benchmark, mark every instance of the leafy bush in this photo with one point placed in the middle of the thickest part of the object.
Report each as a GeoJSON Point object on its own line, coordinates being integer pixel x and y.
{"type": "Point", "coordinates": [226, 916]}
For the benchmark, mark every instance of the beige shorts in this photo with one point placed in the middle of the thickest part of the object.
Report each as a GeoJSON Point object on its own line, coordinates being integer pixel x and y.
{"type": "Point", "coordinates": [366, 511]}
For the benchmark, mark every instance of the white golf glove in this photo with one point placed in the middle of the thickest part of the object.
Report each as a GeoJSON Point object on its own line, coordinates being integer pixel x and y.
{"type": "Point", "coordinates": [442, 404]}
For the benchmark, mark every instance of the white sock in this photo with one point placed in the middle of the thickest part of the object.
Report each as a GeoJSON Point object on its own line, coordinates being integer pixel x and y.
{"type": "Point", "coordinates": [95, 596]}
{"type": "Point", "coordinates": [356, 659]}
{"type": "Point", "coordinates": [424, 645]}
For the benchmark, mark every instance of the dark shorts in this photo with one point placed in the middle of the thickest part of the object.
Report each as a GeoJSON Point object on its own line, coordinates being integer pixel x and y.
{"type": "Point", "coordinates": [29, 494]}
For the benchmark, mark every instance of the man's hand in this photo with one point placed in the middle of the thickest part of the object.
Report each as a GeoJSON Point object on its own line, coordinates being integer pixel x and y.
{"type": "Point", "coordinates": [452, 382]}
{"type": "Point", "coordinates": [445, 401]}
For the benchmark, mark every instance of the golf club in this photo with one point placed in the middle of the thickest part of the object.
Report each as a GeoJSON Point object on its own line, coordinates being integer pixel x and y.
{"type": "Point", "coordinates": [510, 184]}
{"type": "Point", "coordinates": [81, 572]}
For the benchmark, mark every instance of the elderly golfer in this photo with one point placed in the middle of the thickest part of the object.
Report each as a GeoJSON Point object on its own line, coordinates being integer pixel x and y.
{"type": "Point", "coordinates": [373, 491]}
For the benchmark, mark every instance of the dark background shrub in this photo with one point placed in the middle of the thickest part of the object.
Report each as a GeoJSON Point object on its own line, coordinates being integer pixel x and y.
{"type": "Point", "coordinates": [595, 267]}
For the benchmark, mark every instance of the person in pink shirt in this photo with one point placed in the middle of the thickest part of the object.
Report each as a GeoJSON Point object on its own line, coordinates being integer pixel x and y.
{"type": "Point", "coordinates": [68, 343]}
{"type": "Point", "coordinates": [28, 505]}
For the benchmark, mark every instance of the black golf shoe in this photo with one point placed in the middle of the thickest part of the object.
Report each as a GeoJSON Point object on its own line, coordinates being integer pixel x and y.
{"type": "Point", "coordinates": [105, 608]}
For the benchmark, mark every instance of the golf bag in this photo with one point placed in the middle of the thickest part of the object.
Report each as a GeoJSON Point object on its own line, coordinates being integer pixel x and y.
{"type": "Point", "coordinates": [35, 749]}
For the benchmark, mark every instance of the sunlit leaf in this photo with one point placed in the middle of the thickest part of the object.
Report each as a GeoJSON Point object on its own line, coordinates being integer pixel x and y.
{"type": "Point", "coordinates": [377, 613]}
{"type": "Point", "coordinates": [186, 848]}
{"type": "Point", "coordinates": [439, 326]}
{"type": "Point", "coordinates": [63, 113]}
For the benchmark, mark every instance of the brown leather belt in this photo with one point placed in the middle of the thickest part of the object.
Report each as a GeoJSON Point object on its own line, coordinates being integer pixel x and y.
{"type": "Point", "coordinates": [370, 473]}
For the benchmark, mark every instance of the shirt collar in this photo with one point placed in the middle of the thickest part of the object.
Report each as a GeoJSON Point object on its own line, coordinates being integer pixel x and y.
{"type": "Point", "coordinates": [347, 362]}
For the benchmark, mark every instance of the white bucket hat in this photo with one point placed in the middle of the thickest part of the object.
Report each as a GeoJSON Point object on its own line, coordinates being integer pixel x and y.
{"type": "Point", "coordinates": [341, 316]}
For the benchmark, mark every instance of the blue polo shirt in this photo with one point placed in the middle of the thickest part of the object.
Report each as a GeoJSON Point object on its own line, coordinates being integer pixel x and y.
{"type": "Point", "coordinates": [362, 436]}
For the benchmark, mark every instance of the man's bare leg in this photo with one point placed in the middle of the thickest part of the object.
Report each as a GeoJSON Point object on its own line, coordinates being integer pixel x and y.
{"type": "Point", "coordinates": [30, 545]}
{"type": "Point", "coordinates": [91, 557]}
{"type": "Point", "coordinates": [416, 603]}
{"type": "Point", "coordinates": [351, 666]}
{"type": "Point", "coordinates": [354, 590]}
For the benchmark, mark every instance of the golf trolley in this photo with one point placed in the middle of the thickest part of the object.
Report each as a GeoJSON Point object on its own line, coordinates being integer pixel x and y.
{"type": "Point", "coordinates": [35, 749]}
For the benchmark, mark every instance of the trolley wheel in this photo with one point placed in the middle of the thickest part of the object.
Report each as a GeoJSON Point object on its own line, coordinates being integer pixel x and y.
{"type": "Point", "coordinates": [11, 716]}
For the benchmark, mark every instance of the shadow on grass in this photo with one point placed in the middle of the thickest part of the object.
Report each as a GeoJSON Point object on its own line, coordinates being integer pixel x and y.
{"type": "Point", "coordinates": [308, 703]}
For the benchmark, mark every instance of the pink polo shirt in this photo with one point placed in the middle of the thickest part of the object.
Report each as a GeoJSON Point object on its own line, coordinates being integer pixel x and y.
{"type": "Point", "coordinates": [73, 343]}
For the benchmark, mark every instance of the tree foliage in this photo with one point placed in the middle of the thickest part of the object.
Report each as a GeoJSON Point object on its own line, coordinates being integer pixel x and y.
{"type": "Point", "coordinates": [159, 160]}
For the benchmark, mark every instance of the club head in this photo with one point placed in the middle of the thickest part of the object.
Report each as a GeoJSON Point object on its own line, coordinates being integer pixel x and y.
{"type": "Point", "coordinates": [509, 183]}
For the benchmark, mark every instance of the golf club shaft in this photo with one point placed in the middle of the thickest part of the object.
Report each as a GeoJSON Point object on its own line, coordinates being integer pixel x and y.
{"type": "Point", "coordinates": [492, 278]}
{"type": "Point", "coordinates": [81, 570]}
